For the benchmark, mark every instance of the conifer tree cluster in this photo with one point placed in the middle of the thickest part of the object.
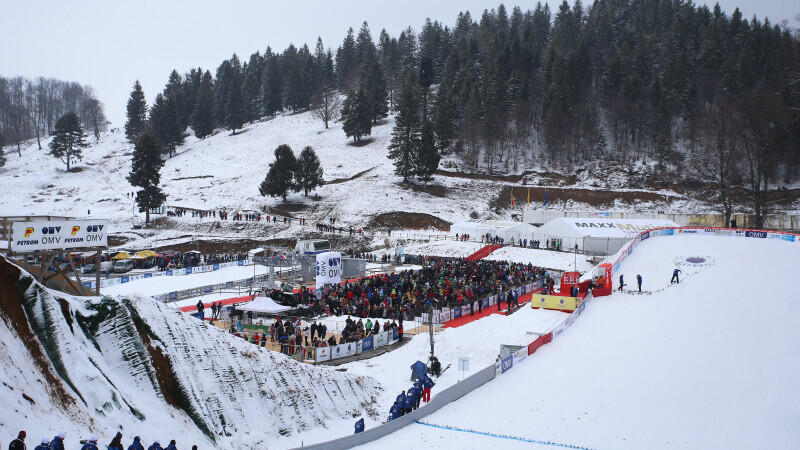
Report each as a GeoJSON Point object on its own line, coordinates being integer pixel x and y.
{"type": "Point", "coordinates": [290, 174]}
{"type": "Point", "coordinates": [68, 139]}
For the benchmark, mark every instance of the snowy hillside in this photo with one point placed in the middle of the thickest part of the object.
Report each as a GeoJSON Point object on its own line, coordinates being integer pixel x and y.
{"type": "Point", "coordinates": [95, 365]}
{"type": "Point", "coordinates": [224, 172]}
{"type": "Point", "coordinates": [707, 363]}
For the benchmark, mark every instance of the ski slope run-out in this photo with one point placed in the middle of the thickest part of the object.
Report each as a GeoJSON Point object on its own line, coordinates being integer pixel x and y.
{"type": "Point", "coordinates": [709, 363]}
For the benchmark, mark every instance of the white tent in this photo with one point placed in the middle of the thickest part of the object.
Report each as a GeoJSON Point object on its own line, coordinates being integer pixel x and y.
{"type": "Point", "coordinates": [596, 235]}
{"type": "Point", "coordinates": [265, 305]}
{"type": "Point", "coordinates": [503, 229]}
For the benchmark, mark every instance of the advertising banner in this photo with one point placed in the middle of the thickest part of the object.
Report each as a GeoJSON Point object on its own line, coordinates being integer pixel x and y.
{"type": "Point", "coordinates": [381, 339]}
{"type": "Point", "coordinates": [755, 234]}
{"type": "Point", "coordinates": [520, 355]}
{"type": "Point", "coordinates": [485, 302]}
{"type": "Point", "coordinates": [329, 268]}
{"type": "Point", "coordinates": [322, 354]}
{"type": "Point", "coordinates": [366, 344]}
{"type": "Point", "coordinates": [56, 234]}
{"type": "Point", "coordinates": [553, 302]}
{"type": "Point", "coordinates": [395, 334]}
{"type": "Point", "coordinates": [492, 300]}
{"type": "Point", "coordinates": [342, 350]}
{"type": "Point", "coordinates": [788, 237]}
{"type": "Point", "coordinates": [457, 312]}
{"type": "Point", "coordinates": [506, 363]}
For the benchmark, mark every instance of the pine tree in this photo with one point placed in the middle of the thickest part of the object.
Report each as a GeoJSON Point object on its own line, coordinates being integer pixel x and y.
{"type": "Point", "coordinates": [234, 109]}
{"type": "Point", "coordinates": [137, 113]}
{"type": "Point", "coordinates": [356, 117]}
{"type": "Point", "coordinates": [68, 139]}
{"type": "Point", "coordinates": [427, 157]}
{"type": "Point", "coordinates": [146, 174]}
{"type": "Point", "coordinates": [165, 124]}
{"type": "Point", "coordinates": [375, 90]}
{"type": "Point", "coordinates": [271, 85]}
{"type": "Point", "coordinates": [203, 122]}
{"type": "Point", "coordinates": [443, 119]}
{"type": "Point", "coordinates": [406, 133]}
{"type": "Point", "coordinates": [175, 95]}
{"type": "Point", "coordinates": [280, 177]}
{"type": "Point", "coordinates": [309, 171]}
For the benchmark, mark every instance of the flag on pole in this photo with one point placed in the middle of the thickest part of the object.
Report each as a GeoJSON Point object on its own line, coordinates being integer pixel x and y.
{"type": "Point", "coordinates": [512, 197]}
{"type": "Point", "coordinates": [545, 197]}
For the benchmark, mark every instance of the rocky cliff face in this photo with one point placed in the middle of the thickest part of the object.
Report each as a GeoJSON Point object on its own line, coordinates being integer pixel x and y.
{"type": "Point", "coordinates": [99, 364]}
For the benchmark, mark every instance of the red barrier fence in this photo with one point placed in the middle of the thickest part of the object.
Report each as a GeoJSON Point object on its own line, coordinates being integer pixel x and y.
{"type": "Point", "coordinates": [540, 341]}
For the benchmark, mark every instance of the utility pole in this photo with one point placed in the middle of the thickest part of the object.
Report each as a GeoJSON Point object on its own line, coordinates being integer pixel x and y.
{"type": "Point", "coordinates": [430, 326]}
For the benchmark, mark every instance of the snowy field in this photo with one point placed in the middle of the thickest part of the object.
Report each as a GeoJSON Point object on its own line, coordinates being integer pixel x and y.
{"type": "Point", "coordinates": [164, 284]}
{"type": "Point", "coordinates": [703, 364]}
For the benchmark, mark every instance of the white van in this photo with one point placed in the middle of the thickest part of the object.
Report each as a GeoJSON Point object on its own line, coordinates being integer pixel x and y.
{"type": "Point", "coordinates": [123, 266]}
{"type": "Point", "coordinates": [312, 247]}
{"type": "Point", "coordinates": [106, 266]}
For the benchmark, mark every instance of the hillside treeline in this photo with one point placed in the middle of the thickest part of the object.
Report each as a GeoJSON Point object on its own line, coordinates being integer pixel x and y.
{"type": "Point", "coordinates": [30, 108]}
{"type": "Point", "coordinates": [671, 89]}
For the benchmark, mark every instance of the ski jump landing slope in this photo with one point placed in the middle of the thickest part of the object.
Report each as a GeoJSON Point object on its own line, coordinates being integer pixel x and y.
{"type": "Point", "coordinates": [710, 363]}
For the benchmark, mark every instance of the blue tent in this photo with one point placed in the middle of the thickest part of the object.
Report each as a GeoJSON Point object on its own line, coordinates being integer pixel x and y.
{"type": "Point", "coordinates": [418, 370]}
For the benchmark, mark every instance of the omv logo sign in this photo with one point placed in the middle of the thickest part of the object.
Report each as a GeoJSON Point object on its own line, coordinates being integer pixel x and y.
{"type": "Point", "coordinates": [756, 234]}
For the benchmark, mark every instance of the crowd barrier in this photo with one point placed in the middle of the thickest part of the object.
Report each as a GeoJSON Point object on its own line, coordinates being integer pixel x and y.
{"type": "Point", "coordinates": [322, 354]}
{"type": "Point", "coordinates": [444, 315]}
{"type": "Point", "coordinates": [166, 273]}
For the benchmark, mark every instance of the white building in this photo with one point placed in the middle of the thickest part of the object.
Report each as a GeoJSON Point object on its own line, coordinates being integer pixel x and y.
{"type": "Point", "coordinates": [595, 235]}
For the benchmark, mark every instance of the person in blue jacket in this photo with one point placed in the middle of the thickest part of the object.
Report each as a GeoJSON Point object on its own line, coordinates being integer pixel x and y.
{"type": "Point", "coordinates": [675, 277]}
{"type": "Point", "coordinates": [136, 444]}
{"type": "Point", "coordinates": [359, 425]}
{"type": "Point", "coordinates": [58, 442]}
{"type": "Point", "coordinates": [639, 281]}
{"type": "Point", "coordinates": [45, 445]}
{"type": "Point", "coordinates": [394, 412]}
{"type": "Point", "coordinates": [91, 445]}
{"type": "Point", "coordinates": [401, 402]}
{"type": "Point", "coordinates": [427, 384]}
{"type": "Point", "coordinates": [621, 282]}
{"type": "Point", "coordinates": [171, 445]}
{"type": "Point", "coordinates": [410, 401]}
{"type": "Point", "coordinates": [156, 446]}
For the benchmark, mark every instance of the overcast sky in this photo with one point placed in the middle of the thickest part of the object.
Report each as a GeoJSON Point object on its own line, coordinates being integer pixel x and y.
{"type": "Point", "coordinates": [109, 44]}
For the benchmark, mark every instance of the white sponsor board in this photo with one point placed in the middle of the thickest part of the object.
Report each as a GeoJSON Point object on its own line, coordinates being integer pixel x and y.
{"type": "Point", "coordinates": [322, 354]}
{"type": "Point", "coordinates": [329, 268]}
{"type": "Point", "coordinates": [58, 234]}
{"type": "Point", "coordinates": [342, 350]}
{"type": "Point", "coordinates": [381, 339]}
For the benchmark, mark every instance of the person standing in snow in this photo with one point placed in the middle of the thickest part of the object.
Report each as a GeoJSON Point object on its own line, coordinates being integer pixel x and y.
{"type": "Point", "coordinates": [91, 445]}
{"type": "Point", "coordinates": [675, 277]}
{"type": "Point", "coordinates": [427, 384]}
{"type": "Point", "coordinates": [359, 425]}
{"type": "Point", "coordinates": [156, 446]}
{"type": "Point", "coordinates": [639, 281]}
{"type": "Point", "coordinates": [394, 411]}
{"type": "Point", "coordinates": [19, 442]}
{"type": "Point", "coordinates": [58, 442]}
{"type": "Point", "coordinates": [45, 445]}
{"type": "Point", "coordinates": [136, 444]}
{"type": "Point", "coordinates": [621, 282]}
{"type": "Point", "coordinates": [116, 443]}
{"type": "Point", "coordinates": [171, 445]}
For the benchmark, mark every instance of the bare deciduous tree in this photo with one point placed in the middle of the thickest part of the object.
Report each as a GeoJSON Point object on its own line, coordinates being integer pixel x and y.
{"type": "Point", "coordinates": [329, 104]}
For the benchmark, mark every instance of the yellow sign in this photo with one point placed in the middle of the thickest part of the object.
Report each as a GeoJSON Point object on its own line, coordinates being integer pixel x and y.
{"type": "Point", "coordinates": [554, 302]}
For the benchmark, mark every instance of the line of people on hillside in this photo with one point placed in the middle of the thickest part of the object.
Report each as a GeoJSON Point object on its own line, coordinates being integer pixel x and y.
{"type": "Point", "coordinates": [59, 441]}
{"type": "Point", "coordinates": [408, 401]}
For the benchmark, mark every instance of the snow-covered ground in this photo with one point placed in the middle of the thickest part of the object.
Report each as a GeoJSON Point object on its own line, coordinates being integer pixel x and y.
{"type": "Point", "coordinates": [708, 363]}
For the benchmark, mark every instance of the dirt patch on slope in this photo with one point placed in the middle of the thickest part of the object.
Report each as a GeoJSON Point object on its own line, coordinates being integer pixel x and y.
{"type": "Point", "coordinates": [162, 365]}
{"type": "Point", "coordinates": [408, 220]}
{"type": "Point", "coordinates": [358, 175]}
{"type": "Point", "coordinates": [551, 177]}
{"type": "Point", "coordinates": [597, 198]}
{"type": "Point", "coordinates": [436, 190]}
{"type": "Point", "coordinates": [13, 313]}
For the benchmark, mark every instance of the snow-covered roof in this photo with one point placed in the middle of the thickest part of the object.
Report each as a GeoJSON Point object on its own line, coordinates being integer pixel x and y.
{"type": "Point", "coordinates": [600, 227]}
{"type": "Point", "coordinates": [264, 305]}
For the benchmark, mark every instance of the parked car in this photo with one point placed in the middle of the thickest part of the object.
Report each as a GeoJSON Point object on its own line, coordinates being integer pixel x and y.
{"type": "Point", "coordinates": [89, 268]}
{"type": "Point", "coordinates": [64, 267]}
{"type": "Point", "coordinates": [106, 266]}
{"type": "Point", "coordinates": [123, 266]}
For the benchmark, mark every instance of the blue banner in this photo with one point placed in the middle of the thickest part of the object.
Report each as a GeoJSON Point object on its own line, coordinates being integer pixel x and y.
{"type": "Point", "coordinates": [486, 302]}
{"type": "Point", "coordinates": [173, 295]}
{"type": "Point", "coordinates": [169, 273]}
{"type": "Point", "coordinates": [215, 267]}
{"type": "Point", "coordinates": [188, 270]}
{"type": "Point", "coordinates": [457, 312]}
{"type": "Point", "coordinates": [240, 263]}
{"type": "Point", "coordinates": [788, 237]}
{"type": "Point", "coordinates": [645, 235]}
{"type": "Point", "coordinates": [506, 363]}
{"type": "Point", "coordinates": [756, 234]}
{"type": "Point", "coordinates": [207, 289]}
{"type": "Point", "coordinates": [668, 232]}
{"type": "Point", "coordinates": [395, 334]}
{"type": "Point", "coordinates": [228, 284]}
{"type": "Point", "coordinates": [148, 275]}
{"type": "Point", "coordinates": [366, 344]}
{"type": "Point", "coordinates": [124, 279]}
